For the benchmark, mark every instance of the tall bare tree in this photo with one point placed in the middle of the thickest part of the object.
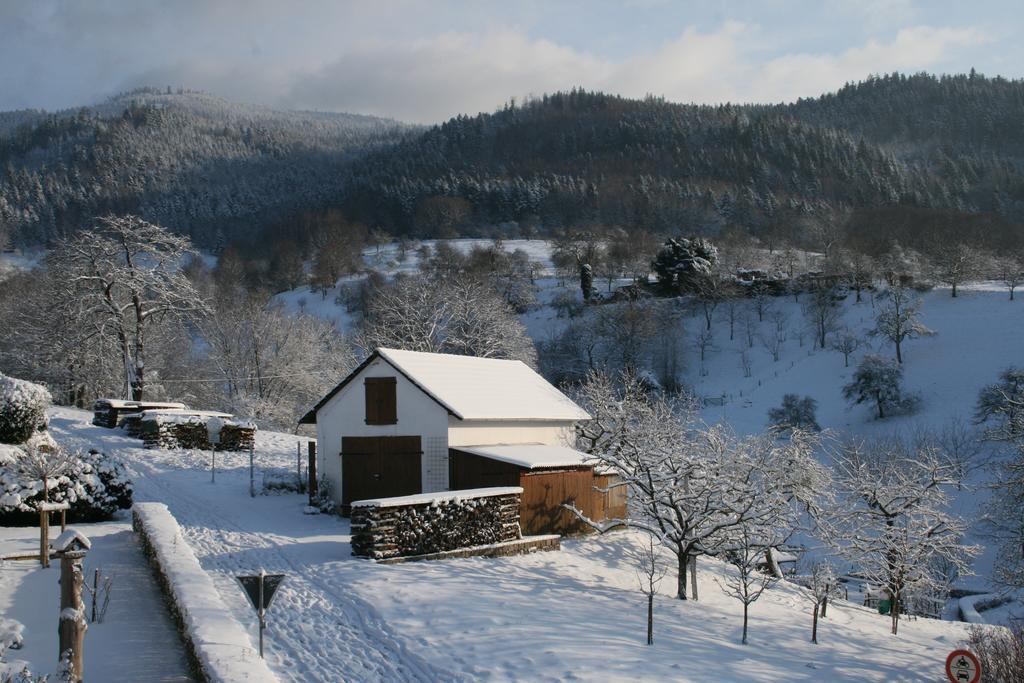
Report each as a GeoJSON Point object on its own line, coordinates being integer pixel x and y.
{"type": "Point", "coordinates": [121, 279]}
{"type": "Point", "coordinates": [899, 320]}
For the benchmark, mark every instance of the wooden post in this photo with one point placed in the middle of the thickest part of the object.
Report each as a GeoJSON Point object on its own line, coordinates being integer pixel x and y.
{"type": "Point", "coordinates": [44, 536]}
{"type": "Point", "coordinates": [298, 465]}
{"type": "Point", "coordinates": [63, 520]}
{"type": "Point", "coordinates": [72, 612]}
{"type": "Point", "coordinates": [311, 471]}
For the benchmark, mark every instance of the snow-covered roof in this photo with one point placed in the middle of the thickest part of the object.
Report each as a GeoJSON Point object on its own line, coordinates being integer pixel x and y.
{"type": "Point", "coordinates": [474, 388]}
{"type": "Point", "coordinates": [121, 404]}
{"type": "Point", "coordinates": [530, 455]}
{"type": "Point", "coordinates": [437, 497]}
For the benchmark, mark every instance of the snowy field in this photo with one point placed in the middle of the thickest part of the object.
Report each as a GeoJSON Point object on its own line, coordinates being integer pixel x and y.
{"type": "Point", "coordinates": [137, 640]}
{"type": "Point", "coordinates": [569, 615]}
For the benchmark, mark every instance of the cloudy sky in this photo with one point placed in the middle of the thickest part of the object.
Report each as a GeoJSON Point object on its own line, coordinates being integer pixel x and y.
{"type": "Point", "coordinates": [426, 61]}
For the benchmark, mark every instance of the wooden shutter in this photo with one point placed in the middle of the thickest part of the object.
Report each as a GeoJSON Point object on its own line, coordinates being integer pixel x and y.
{"type": "Point", "coordinates": [381, 401]}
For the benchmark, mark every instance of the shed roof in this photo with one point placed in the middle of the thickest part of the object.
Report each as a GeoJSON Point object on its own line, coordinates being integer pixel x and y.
{"type": "Point", "coordinates": [472, 388]}
{"type": "Point", "coordinates": [531, 455]}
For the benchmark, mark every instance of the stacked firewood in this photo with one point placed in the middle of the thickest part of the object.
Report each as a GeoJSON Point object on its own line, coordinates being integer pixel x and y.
{"type": "Point", "coordinates": [236, 436]}
{"type": "Point", "coordinates": [423, 528]}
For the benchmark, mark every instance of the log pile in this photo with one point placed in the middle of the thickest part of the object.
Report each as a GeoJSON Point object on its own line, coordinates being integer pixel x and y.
{"type": "Point", "coordinates": [422, 528]}
{"type": "Point", "coordinates": [237, 437]}
{"type": "Point", "coordinates": [161, 431]}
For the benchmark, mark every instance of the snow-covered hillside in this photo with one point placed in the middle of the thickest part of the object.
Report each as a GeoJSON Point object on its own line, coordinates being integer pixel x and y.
{"type": "Point", "coordinates": [569, 615]}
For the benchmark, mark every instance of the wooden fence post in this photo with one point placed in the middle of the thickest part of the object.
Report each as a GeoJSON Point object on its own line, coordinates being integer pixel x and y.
{"type": "Point", "coordinates": [72, 625]}
{"type": "Point", "coordinates": [44, 536]}
{"type": "Point", "coordinates": [311, 471]}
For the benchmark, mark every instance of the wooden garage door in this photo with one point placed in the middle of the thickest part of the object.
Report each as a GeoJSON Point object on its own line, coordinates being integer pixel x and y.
{"type": "Point", "coordinates": [380, 467]}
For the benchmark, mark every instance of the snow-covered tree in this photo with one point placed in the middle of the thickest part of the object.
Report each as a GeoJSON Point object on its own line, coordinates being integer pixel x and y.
{"type": "Point", "coordinates": [683, 264]}
{"type": "Point", "coordinates": [273, 365]}
{"type": "Point", "coordinates": [893, 520]}
{"type": "Point", "coordinates": [690, 485]}
{"type": "Point", "coordinates": [795, 413]}
{"type": "Point", "coordinates": [878, 380]}
{"type": "Point", "coordinates": [1002, 403]}
{"type": "Point", "coordinates": [458, 315]}
{"type": "Point", "coordinates": [122, 278]}
{"type": "Point", "coordinates": [899, 319]}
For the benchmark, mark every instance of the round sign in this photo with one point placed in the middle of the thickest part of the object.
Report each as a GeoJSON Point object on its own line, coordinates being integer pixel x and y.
{"type": "Point", "coordinates": [963, 667]}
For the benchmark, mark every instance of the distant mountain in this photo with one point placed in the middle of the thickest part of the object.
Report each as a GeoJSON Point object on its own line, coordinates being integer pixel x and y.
{"type": "Point", "coordinates": [192, 161]}
{"type": "Point", "coordinates": [953, 144]}
{"type": "Point", "coordinates": [905, 150]}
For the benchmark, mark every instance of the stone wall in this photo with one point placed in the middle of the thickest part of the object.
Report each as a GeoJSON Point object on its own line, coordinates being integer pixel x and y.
{"type": "Point", "coordinates": [432, 523]}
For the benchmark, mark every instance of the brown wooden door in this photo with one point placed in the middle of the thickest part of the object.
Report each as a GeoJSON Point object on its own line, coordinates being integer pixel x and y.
{"type": "Point", "coordinates": [380, 467]}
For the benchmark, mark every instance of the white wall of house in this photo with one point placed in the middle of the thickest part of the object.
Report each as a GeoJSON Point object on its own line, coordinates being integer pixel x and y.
{"type": "Point", "coordinates": [418, 415]}
{"type": "Point", "coordinates": [489, 432]}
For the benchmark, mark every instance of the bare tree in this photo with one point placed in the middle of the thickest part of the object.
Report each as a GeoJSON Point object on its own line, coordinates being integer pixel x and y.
{"type": "Point", "coordinates": [44, 462]}
{"type": "Point", "coordinates": [822, 583]}
{"type": "Point", "coordinates": [955, 264]}
{"type": "Point", "coordinates": [746, 550]}
{"type": "Point", "coordinates": [846, 342]}
{"type": "Point", "coordinates": [649, 575]}
{"type": "Point", "coordinates": [122, 278]}
{"type": "Point", "coordinates": [822, 313]}
{"type": "Point", "coordinates": [774, 340]}
{"type": "Point", "coordinates": [1010, 271]}
{"type": "Point", "coordinates": [893, 520]}
{"type": "Point", "coordinates": [899, 320]}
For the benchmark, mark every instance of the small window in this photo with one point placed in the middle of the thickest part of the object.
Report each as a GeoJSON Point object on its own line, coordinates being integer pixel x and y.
{"type": "Point", "coordinates": [381, 405]}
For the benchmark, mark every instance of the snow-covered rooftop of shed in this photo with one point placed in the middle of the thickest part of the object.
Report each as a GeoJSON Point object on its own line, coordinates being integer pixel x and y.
{"type": "Point", "coordinates": [530, 455]}
{"type": "Point", "coordinates": [485, 388]}
{"type": "Point", "coordinates": [437, 497]}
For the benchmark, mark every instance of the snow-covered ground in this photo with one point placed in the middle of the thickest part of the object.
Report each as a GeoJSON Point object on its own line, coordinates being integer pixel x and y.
{"type": "Point", "coordinates": [137, 640]}
{"type": "Point", "coordinates": [569, 615]}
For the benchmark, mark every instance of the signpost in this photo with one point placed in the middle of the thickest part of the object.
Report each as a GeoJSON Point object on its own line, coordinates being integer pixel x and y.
{"type": "Point", "coordinates": [261, 588]}
{"type": "Point", "coordinates": [963, 667]}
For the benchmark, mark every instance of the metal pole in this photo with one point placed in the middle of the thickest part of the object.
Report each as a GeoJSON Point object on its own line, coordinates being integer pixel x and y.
{"type": "Point", "coordinates": [252, 471]}
{"type": "Point", "coordinates": [298, 465]}
{"type": "Point", "coordinates": [263, 623]}
{"type": "Point", "coordinates": [213, 465]}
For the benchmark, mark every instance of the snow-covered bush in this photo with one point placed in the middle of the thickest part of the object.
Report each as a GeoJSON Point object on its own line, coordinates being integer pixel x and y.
{"type": "Point", "coordinates": [795, 413]}
{"type": "Point", "coordinates": [22, 409]}
{"type": "Point", "coordinates": [96, 486]}
{"type": "Point", "coordinates": [879, 380]}
{"type": "Point", "coordinates": [1000, 650]}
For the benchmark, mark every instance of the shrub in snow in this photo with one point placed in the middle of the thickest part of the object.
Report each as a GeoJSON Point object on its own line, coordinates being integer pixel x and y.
{"type": "Point", "coordinates": [95, 485]}
{"type": "Point", "coordinates": [1003, 402]}
{"type": "Point", "coordinates": [1000, 651]}
{"type": "Point", "coordinates": [795, 413]}
{"type": "Point", "coordinates": [878, 380]}
{"type": "Point", "coordinates": [22, 409]}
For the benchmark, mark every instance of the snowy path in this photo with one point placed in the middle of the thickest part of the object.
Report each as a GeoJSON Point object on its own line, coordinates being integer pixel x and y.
{"type": "Point", "coordinates": [317, 630]}
{"type": "Point", "coordinates": [136, 642]}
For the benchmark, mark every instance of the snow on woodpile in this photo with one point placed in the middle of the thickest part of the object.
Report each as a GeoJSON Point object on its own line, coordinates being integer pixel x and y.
{"type": "Point", "coordinates": [202, 429]}
{"type": "Point", "coordinates": [530, 456]}
{"type": "Point", "coordinates": [218, 643]}
{"type": "Point", "coordinates": [409, 526]}
{"type": "Point", "coordinates": [485, 388]}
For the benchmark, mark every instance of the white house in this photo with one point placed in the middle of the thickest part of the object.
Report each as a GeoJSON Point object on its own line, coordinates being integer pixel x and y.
{"type": "Point", "coordinates": [392, 427]}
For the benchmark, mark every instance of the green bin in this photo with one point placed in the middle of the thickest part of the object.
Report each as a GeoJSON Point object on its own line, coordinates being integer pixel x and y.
{"type": "Point", "coordinates": [884, 606]}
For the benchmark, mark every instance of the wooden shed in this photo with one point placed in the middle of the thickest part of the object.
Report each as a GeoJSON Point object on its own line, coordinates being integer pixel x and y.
{"type": "Point", "coordinates": [550, 476]}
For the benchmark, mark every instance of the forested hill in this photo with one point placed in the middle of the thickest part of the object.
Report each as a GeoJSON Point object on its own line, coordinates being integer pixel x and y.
{"type": "Point", "coordinates": [894, 154]}
{"type": "Point", "coordinates": [188, 160]}
{"type": "Point", "coordinates": [952, 144]}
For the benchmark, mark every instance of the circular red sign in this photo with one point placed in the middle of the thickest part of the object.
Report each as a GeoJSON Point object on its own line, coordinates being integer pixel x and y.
{"type": "Point", "coordinates": [963, 667]}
